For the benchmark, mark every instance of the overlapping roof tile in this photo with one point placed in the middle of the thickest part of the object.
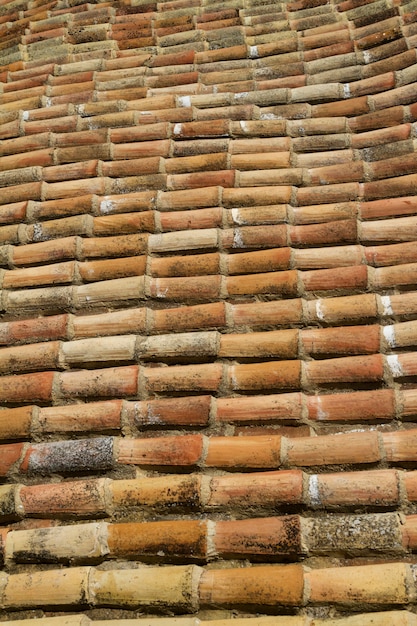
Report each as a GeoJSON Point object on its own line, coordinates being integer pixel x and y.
{"type": "Point", "coordinates": [208, 268]}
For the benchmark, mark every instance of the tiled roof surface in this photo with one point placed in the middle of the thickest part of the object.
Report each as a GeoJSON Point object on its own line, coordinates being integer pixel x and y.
{"type": "Point", "coordinates": [208, 285]}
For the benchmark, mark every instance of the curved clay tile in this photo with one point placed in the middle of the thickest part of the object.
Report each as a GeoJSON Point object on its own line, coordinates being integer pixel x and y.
{"type": "Point", "coordinates": [208, 366]}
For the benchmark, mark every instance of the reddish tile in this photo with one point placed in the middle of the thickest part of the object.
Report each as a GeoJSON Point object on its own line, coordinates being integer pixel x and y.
{"type": "Point", "coordinates": [9, 455]}
{"type": "Point", "coordinates": [193, 378]}
{"type": "Point", "coordinates": [360, 405]}
{"type": "Point", "coordinates": [349, 340]}
{"type": "Point", "coordinates": [109, 382]}
{"type": "Point", "coordinates": [33, 330]}
{"type": "Point", "coordinates": [189, 411]}
{"type": "Point", "coordinates": [195, 317]}
{"type": "Point", "coordinates": [83, 498]}
{"type": "Point", "coordinates": [94, 417]}
{"type": "Point", "coordinates": [278, 537]}
{"type": "Point", "coordinates": [366, 488]}
{"type": "Point", "coordinates": [192, 289]}
{"type": "Point", "coordinates": [262, 409]}
{"type": "Point", "coordinates": [353, 369]}
{"type": "Point", "coordinates": [176, 451]}
{"type": "Point", "coordinates": [27, 388]}
{"type": "Point", "coordinates": [257, 489]}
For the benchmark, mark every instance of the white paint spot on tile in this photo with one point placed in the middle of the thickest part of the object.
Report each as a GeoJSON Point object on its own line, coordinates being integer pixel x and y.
{"type": "Point", "coordinates": [346, 90]}
{"type": "Point", "coordinates": [238, 239]}
{"type": "Point", "coordinates": [242, 94]}
{"type": "Point", "coordinates": [244, 126]}
{"type": "Point", "coordinates": [25, 116]}
{"type": "Point", "coordinates": [367, 57]}
{"type": "Point", "coordinates": [394, 365]}
{"type": "Point", "coordinates": [153, 418]}
{"type": "Point", "coordinates": [386, 303]}
{"type": "Point", "coordinates": [319, 311]}
{"type": "Point", "coordinates": [269, 116]}
{"type": "Point", "coordinates": [177, 129]}
{"type": "Point", "coordinates": [106, 206]}
{"type": "Point", "coordinates": [389, 334]}
{"type": "Point", "coordinates": [211, 546]}
{"type": "Point", "coordinates": [321, 415]}
{"type": "Point", "coordinates": [48, 102]}
{"type": "Point", "coordinates": [313, 490]}
{"type": "Point", "coordinates": [253, 52]}
{"type": "Point", "coordinates": [161, 293]}
{"type": "Point", "coordinates": [356, 430]}
{"type": "Point", "coordinates": [184, 101]}
{"type": "Point", "coordinates": [236, 217]}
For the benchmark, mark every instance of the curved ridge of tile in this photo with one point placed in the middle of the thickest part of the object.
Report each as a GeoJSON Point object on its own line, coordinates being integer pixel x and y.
{"type": "Point", "coordinates": [208, 334]}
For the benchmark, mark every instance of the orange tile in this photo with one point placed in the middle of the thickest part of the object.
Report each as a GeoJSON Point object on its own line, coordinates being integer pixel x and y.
{"type": "Point", "coordinates": [27, 388]}
{"type": "Point", "coordinates": [244, 452]}
{"type": "Point", "coordinates": [349, 340]}
{"type": "Point", "coordinates": [83, 498]}
{"type": "Point", "coordinates": [337, 232]}
{"type": "Point", "coordinates": [352, 369]}
{"type": "Point", "coordinates": [193, 219]}
{"type": "Point", "coordinates": [176, 451]}
{"type": "Point", "coordinates": [175, 493]}
{"type": "Point", "coordinates": [187, 289]}
{"type": "Point", "coordinates": [16, 423]}
{"type": "Point", "coordinates": [195, 265]}
{"type": "Point", "coordinates": [93, 417]}
{"type": "Point", "coordinates": [261, 409]}
{"type": "Point", "coordinates": [362, 405]}
{"type": "Point", "coordinates": [388, 207]}
{"type": "Point", "coordinates": [192, 378]}
{"type": "Point", "coordinates": [109, 382]}
{"type": "Point", "coordinates": [344, 279]}
{"type": "Point", "coordinates": [13, 213]}
{"type": "Point", "coordinates": [366, 488]}
{"type": "Point", "coordinates": [123, 224]}
{"type": "Point", "coordinates": [339, 449]}
{"type": "Point", "coordinates": [262, 537]}
{"type": "Point", "coordinates": [252, 587]}
{"type": "Point", "coordinates": [222, 178]}
{"type": "Point", "coordinates": [283, 283]}
{"type": "Point", "coordinates": [33, 357]}
{"type": "Point", "coordinates": [280, 343]}
{"type": "Point", "coordinates": [176, 539]}
{"type": "Point", "coordinates": [266, 313]}
{"type": "Point", "coordinates": [391, 116]}
{"type": "Point", "coordinates": [187, 411]}
{"type": "Point", "coordinates": [118, 268]}
{"type": "Point", "coordinates": [44, 252]}
{"type": "Point", "coordinates": [9, 455]}
{"type": "Point", "coordinates": [57, 273]}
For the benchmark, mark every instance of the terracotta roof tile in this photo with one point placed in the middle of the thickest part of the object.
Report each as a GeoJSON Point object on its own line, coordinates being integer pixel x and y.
{"type": "Point", "coordinates": [208, 332]}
